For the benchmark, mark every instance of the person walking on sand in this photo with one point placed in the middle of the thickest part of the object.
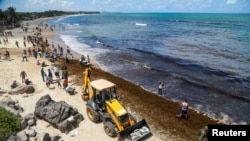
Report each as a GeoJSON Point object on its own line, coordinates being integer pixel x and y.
{"type": "Point", "coordinates": [23, 76]}
{"type": "Point", "coordinates": [42, 73]}
{"type": "Point", "coordinates": [17, 44]}
{"type": "Point", "coordinates": [47, 81]}
{"type": "Point", "coordinates": [58, 80]}
{"type": "Point", "coordinates": [160, 87]}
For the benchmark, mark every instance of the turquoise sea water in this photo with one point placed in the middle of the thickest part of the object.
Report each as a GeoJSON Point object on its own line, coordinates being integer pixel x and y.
{"type": "Point", "coordinates": [202, 57]}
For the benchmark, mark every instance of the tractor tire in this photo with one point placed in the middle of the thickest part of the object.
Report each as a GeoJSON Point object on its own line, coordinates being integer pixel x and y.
{"type": "Point", "coordinates": [109, 129]}
{"type": "Point", "coordinates": [93, 115]}
{"type": "Point", "coordinates": [132, 117]}
{"type": "Point", "coordinates": [120, 138]}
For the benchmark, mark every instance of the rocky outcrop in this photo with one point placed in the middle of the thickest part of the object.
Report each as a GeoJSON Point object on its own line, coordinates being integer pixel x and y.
{"type": "Point", "coordinates": [31, 135]}
{"type": "Point", "coordinates": [21, 89]}
{"type": "Point", "coordinates": [59, 114]}
{"type": "Point", "coordinates": [28, 120]}
{"type": "Point", "coordinates": [11, 105]}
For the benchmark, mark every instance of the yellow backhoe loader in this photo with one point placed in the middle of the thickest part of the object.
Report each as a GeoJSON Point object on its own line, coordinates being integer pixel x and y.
{"type": "Point", "coordinates": [103, 105]}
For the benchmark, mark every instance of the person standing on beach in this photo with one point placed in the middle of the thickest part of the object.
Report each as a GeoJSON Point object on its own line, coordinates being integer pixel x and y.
{"type": "Point", "coordinates": [68, 50]}
{"type": "Point", "coordinates": [160, 87]}
{"type": "Point", "coordinates": [7, 54]}
{"type": "Point", "coordinates": [35, 53]}
{"type": "Point", "coordinates": [56, 70]}
{"type": "Point", "coordinates": [47, 81]}
{"type": "Point", "coordinates": [29, 50]}
{"type": "Point", "coordinates": [82, 60]}
{"type": "Point", "coordinates": [64, 67]}
{"type": "Point", "coordinates": [71, 58]}
{"type": "Point", "coordinates": [67, 58]}
{"type": "Point", "coordinates": [65, 74]}
{"type": "Point", "coordinates": [42, 73]}
{"type": "Point", "coordinates": [17, 44]}
{"type": "Point", "coordinates": [58, 80]}
{"type": "Point", "coordinates": [25, 55]}
{"type": "Point", "coordinates": [24, 43]}
{"type": "Point", "coordinates": [184, 108]}
{"type": "Point", "coordinates": [61, 51]}
{"type": "Point", "coordinates": [23, 76]}
{"type": "Point", "coordinates": [49, 76]}
{"type": "Point", "coordinates": [65, 83]}
{"type": "Point", "coordinates": [88, 59]}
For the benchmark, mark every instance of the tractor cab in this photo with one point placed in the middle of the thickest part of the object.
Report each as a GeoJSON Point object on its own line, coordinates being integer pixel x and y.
{"type": "Point", "coordinates": [102, 91]}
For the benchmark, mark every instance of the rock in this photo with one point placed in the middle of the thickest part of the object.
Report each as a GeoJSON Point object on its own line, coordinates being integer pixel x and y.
{"type": "Point", "coordinates": [7, 100]}
{"type": "Point", "coordinates": [11, 106]}
{"type": "Point", "coordinates": [28, 120]}
{"type": "Point", "coordinates": [55, 138]}
{"type": "Point", "coordinates": [30, 89]}
{"type": "Point", "coordinates": [21, 135]}
{"type": "Point", "coordinates": [57, 113]}
{"type": "Point", "coordinates": [24, 124]}
{"type": "Point", "coordinates": [13, 138]}
{"type": "Point", "coordinates": [43, 137]}
{"type": "Point", "coordinates": [31, 132]}
{"type": "Point", "coordinates": [22, 89]}
{"type": "Point", "coordinates": [31, 122]}
{"type": "Point", "coordinates": [29, 116]}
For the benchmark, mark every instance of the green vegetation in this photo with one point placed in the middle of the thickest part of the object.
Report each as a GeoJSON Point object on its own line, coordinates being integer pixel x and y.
{"type": "Point", "coordinates": [11, 19]}
{"type": "Point", "coordinates": [9, 124]}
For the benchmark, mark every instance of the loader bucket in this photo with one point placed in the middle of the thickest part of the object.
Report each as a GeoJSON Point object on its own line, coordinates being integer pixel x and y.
{"type": "Point", "coordinates": [135, 132]}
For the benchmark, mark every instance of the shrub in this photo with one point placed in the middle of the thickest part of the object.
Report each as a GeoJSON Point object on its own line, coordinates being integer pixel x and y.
{"type": "Point", "coordinates": [9, 124]}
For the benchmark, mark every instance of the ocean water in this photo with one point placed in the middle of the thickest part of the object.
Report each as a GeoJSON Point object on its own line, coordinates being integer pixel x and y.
{"type": "Point", "coordinates": [204, 58]}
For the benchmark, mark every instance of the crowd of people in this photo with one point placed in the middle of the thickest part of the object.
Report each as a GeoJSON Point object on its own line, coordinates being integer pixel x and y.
{"type": "Point", "coordinates": [34, 45]}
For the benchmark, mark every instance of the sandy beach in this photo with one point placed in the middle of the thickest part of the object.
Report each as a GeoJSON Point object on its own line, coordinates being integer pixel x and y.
{"type": "Point", "coordinates": [160, 113]}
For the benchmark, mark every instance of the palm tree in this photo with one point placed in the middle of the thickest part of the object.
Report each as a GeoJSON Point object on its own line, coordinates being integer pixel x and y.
{"type": "Point", "coordinates": [12, 16]}
{"type": "Point", "coordinates": [1, 15]}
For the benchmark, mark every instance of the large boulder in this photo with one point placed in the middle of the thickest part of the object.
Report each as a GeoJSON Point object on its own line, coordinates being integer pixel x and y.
{"type": "Point", "coordinates": [21, 89]}
{"type": "Point", "coordinates": [59, 114]}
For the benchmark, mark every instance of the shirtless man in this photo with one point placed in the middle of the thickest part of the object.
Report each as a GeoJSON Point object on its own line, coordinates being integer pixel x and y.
{"type": "Point", "coordinates": [184, 108]}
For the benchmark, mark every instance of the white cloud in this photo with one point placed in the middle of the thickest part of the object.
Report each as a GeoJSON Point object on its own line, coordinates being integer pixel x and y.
{"type": "Point", "coordinates": [37, 2]}
{"type": "Point", "coordinates": [66, 3]}
{"type": "Point", "coordinates": [60, 2]}
{"type": "Point", "coordinates": [52, 1]}
{"type": "Point", "coordinates": [231, 1]}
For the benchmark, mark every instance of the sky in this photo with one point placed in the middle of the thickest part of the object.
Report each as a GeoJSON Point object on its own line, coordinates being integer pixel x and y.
{"type": "Point", "coordinates": [130, 6]}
